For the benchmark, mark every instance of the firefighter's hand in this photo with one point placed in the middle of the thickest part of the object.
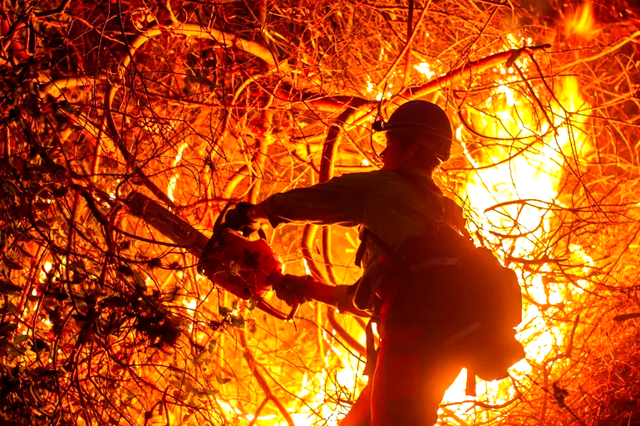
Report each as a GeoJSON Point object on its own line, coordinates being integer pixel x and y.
{"type": "Point", "coordinates": [238, 219]}
{"type": "Point", "coordinates": [293, 289]}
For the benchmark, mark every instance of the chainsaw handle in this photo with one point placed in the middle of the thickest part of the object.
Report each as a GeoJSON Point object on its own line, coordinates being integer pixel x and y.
{"type": "Point", "coordinates": [268, 308]}
{"type": "Point", "coordinates": [234, 216]}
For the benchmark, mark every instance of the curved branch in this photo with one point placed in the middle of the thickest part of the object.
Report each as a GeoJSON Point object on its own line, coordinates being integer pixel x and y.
{"type": "Point", "coordinates": [194, 30]}
{"type": "Point", "coordinates": [308, 234]}
{"type": "Point", "coordinates": [330, 146]}
{"type": "Point", "coordinates": [468, 71]}
{"type": "Point", "coordinates": [253, 366]}
{"type": "Point", "coordinates": [234, 181]}
{"type": "Point", "coordinates": [115, 137]}
{"type": "Point", "coordinates": [344, 334]}
{"type": "Point", "coordinates": [326, 252]}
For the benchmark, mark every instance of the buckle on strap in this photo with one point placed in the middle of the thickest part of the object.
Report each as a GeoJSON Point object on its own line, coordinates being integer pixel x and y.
{"type": "Point", "coordinates": [435, 261]}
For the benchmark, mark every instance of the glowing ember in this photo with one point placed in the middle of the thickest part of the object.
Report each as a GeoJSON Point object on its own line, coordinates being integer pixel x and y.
{"type": "Point", "coordinates": [424, 69]}
{"type": "Point", "coordinates": [174, 179]}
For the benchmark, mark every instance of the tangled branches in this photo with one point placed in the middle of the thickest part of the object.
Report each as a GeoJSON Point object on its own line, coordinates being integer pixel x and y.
{"type": "Point", "coordinates": [105, 321]}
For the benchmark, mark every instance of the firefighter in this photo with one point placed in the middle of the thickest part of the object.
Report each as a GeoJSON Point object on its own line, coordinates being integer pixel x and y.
{"type": "Point", "coordinates": [418, 305]}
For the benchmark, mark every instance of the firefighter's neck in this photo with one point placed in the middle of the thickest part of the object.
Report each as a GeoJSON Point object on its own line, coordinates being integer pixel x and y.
{"type": "Point", "coordinates": [413, 160]}
{"type": "Point", "coordinates": [416, 163]}
{"type": "Point", "coordinates": [399, 155]}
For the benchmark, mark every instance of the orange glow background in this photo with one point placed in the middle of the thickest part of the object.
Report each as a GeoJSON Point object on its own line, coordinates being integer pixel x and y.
{"type": "Point", "coordinates": [545, 164]}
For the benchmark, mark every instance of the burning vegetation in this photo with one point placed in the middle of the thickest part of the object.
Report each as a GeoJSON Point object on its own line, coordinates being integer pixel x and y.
{"type": "Point", "coordinates": [104, 321]}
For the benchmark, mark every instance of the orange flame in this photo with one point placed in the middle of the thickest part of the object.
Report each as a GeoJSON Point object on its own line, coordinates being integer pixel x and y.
{"type": "Point", "coordinates": [533, 174]}
{"type": "Point", "coordinates": [582, 23]}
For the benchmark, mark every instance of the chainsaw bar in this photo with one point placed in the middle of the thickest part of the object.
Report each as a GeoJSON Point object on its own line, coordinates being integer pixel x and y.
{"type": "Point", "coordinates": [168, 224]}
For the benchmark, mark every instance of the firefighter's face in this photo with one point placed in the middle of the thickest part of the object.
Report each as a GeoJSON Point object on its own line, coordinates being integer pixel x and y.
{"type": "Point", "coordinates": [396, 154]}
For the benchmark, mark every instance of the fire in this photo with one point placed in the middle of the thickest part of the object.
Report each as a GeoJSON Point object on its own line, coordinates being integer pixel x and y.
{"type": "Point", "coordinates": [582, 23]}
{"type": "Point", "coordinates": [424, 69]}
{"type": "Point", "coordinates": [522, 177]}
{"type": "Point", "coordinates": [177, 107]}
{"type": "Point", "coordinates": [174, 179]}
{"type": "Point", "coordinates": [521, 174]}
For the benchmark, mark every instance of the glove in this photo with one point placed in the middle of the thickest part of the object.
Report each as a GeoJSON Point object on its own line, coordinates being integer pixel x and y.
{"type": "Point", "coordinates": [344, 297]}
{"type": "Point", "coordinates": [292, 289]}
{"type": "Point", "coordinates": [237, 219]}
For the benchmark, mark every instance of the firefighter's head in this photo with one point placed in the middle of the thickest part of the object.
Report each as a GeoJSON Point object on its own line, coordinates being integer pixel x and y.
{"type": "Point", "coordinates": [418, 135]}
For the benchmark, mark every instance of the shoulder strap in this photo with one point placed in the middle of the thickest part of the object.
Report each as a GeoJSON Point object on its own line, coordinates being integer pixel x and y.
{"type": "Point", "coordinates": [361, 248]}
{"type": "Point", "coordinates": [451, 211]}
{"type": "Point", "coordinates": [366, 233]}
{"type": "Point", "coordinates": [454, 216]}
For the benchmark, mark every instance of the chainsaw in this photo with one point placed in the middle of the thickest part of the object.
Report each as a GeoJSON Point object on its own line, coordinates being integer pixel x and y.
{"type": "Point", "coordinates": [244, 267]}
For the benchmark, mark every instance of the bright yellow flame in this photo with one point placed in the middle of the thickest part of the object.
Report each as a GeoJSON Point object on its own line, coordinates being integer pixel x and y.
{"type": "Point", "coordinates": [423, 68]}
{"type": "Point", "coordinates": [582, 23]}
{"type": "Point", "coordinates": [511, 102]}
{"type": "Point", "coordinates": [533, 174]}
{"type": "Point", "coordinates": [174, 179]}
{"type": "Point", "coordinates": [317, 387]}
{"type": "Point", "coordinates": [172, 186]}
{"type": "Point", "coordinates": [191, 304]}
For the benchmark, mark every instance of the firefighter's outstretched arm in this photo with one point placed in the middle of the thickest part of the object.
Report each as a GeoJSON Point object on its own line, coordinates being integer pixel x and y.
{"type": "Point", "coordinates": [291, 288]}
{"type": "Point", "coordinates": [342, 200]}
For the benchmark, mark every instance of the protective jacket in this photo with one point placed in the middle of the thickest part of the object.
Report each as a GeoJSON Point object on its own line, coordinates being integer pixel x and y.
{"type": "Point", "coordinates": [383, 201]}
{"type": "Point", "coordinates": [413, 370]}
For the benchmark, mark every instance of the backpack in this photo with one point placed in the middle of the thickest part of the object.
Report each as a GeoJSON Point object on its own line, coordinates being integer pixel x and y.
{"type": "Point", "coordinates": [492, 299]}
{"type": "Point", "coordinates": [489, 343]}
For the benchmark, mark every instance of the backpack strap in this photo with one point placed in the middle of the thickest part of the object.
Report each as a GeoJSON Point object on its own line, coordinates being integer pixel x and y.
{"type": "Point", "coordinates": [451, 211]}
{"type": "Point", "coordinates": [361, 248]}
{"type": "Point", "coordinates": [366, 234]}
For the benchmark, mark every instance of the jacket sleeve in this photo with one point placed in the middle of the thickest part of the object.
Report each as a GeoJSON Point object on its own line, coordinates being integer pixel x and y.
{"type": "Point", "coordinates": [342, 200]}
